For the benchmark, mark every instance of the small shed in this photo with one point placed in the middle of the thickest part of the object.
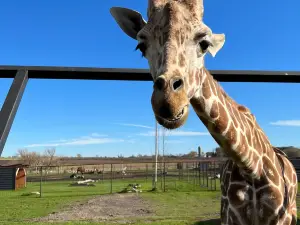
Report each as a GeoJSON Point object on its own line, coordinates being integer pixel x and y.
{"type": "Point", "coordinates": [12, 175]}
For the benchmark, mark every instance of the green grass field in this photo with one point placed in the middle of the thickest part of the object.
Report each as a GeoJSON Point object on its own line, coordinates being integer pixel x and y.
{"type": "Point", "coordinates": [183, 203]}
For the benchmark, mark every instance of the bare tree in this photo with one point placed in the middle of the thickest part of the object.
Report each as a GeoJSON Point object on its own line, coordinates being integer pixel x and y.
{"type": "Point", "coordinates": [33, 159]}
{"type": "Point", "coordinates": [29, 158]}
{"type": "Point", "coordinates": [49, 156]}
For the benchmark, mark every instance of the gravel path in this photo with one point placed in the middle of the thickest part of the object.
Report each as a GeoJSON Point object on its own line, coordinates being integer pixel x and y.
{"type": "Point", "coordinates": [103, 208]}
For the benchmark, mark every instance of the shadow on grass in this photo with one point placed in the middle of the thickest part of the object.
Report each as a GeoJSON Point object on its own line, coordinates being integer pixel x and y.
{"type": "Point", "coordinates": [209, 222]}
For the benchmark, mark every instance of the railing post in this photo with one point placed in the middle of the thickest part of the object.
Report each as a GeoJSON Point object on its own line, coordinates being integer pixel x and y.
{"type": "Point", "coordinates": [41, 179]}
{"type": "Point", "coordinates": [111, 178]}
{"type": "Point", "coordinates": [10, 105]}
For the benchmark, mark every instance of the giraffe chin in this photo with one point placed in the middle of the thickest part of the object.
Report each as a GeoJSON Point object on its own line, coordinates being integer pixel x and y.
{"type": "Point", "coordinates": [172, 124]}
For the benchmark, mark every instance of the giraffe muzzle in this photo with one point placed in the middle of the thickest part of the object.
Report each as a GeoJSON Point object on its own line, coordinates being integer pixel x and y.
{"type": "Point", "coordinates": [170, 102]}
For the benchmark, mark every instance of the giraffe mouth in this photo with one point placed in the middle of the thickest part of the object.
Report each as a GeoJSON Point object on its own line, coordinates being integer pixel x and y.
{"type": "Point", "coordinates": [175, 122]}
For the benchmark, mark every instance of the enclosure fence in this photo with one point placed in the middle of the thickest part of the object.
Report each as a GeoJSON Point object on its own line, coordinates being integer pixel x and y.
{"type": "Point", "coordinates": [195, 175]}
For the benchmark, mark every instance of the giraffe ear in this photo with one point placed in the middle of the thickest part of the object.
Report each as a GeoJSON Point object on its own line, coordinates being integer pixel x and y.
{"type": "Point", "coordinates": [217, 41]}
{"type": "Point", "coordinates": [130, 21]}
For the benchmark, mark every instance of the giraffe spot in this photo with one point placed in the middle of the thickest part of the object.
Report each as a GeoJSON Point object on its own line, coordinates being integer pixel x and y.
{"type": "Point", "coordinates": [206, 89]}
{"type": "Point", "coordinates": [161, 41]}
{"type": "Point", "coordinates": [177, 37]}
{"type": "Point", "coordinates": [159, 61]}
{"type": "Point", "coordinates": [174, 18]}
{"type": "Point", "coordinates": [225, 185]}
{"type": "Point", "coordinates": [230, 165]}
{"type": "Point", "coordinates": [256, 142]}
{"type": "Point", "coordinates": [164, 58]}
{"type": "Point", "coordinates": [275, 220]}
{"type": "Point", "coordinates": [249, 212]}
{"type": "Point", "coordinates": [294, 178]}
{"type": "Point", "coordinates": [269, 197]}
{"type": "Point", "coordinates": [289, 169]}
{"type": "Point", "coordinates": [237, 175]}
{"type": "Point", "coordinates": [234, 220]}
{"type": "Point", "coordinates": [224, 209]}
{"type": "Point", "coordinates": [222, 123]}
{"type": "Point", "coordinates": [270, 167]}
{"type": "Point", "coordinates": [242, 147]}
{"type": "Point", "coordinates": [191, 79]}
{"type": "Point", "coordinates": [214, 111]}
{"type": "Point", "coordinates": [264, 213]}
{"type": "Point", "coordinates": [288, 220]}
{"type": "Point", "coordinates": [182, 38]}
{"type": "Point", "coordinates": [236, 116]}
{"type": "Point", "coordinates": [234, 120]}
{"type": "Point", "coordinates": [201, 108]}
{"type": "Point", "coordinates": [177, 72]}
{"type": "Point", "coordinates": [188, 29]}
{"type": "Point", "coordinates": [261, 212]}
{"type": "Point", "coordinates": [165, 36]}
{"type": "Point", "coordinates": [181, 60]}
{"type": "Point", "coordinates": [197, 76]}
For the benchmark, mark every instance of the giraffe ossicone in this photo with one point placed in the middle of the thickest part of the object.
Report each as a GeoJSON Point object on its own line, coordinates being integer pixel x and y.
{"type": "Point", "coordinates": [258, 182]}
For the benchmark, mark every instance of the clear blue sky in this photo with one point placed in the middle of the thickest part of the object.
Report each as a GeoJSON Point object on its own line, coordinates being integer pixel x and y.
{"type": "Point", "coordinates": [96, 117]}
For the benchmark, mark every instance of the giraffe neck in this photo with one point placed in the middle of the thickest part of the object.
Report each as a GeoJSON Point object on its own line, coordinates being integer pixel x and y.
{"type": "Point", "coordinates": [231, 125]}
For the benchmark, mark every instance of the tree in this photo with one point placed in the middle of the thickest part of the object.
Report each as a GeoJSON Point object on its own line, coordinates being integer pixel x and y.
{"type": "Point", "coordinates": [33, 159]}
{"type": "Point", "coordinates": [49, 157]}
{"type": "Point", "coordinates": [30, 158]}
{"type": "Point", "coordinates": [192, 154]}
{"type": "Point", "coordinates": [78, 155]}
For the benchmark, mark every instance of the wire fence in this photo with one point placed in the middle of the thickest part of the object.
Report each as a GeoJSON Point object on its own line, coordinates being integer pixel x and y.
{"type": "Point", "coordinates": [113, 178]}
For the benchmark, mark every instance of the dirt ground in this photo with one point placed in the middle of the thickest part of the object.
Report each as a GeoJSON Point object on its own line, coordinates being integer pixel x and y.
{"type": "Point", "coordinates": [103, 208]}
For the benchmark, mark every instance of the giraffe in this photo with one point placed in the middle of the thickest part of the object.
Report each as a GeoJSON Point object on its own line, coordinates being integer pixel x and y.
{"type": "Point", "coordinates": [258, 182]}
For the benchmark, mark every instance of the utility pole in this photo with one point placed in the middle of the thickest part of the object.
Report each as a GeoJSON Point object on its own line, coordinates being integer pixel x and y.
{"type": "Point", "coordinates": [163, 141]}
{"type": "Point", "coordinates": [156, 155]}
{"type": "Point", "coordinates": [164, 173]}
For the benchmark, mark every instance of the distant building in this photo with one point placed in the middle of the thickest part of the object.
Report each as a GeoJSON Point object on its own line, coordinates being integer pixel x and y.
{"type": "Point", "coordinates": [12, 175]}
{"type": "Point", "coordinates": [220, 152]}
{"type": "Point", "coordinates": [210, 154]}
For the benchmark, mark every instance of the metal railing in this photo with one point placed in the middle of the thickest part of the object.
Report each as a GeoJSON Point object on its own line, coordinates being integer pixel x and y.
{"type": "Point", "coordinates": [21, 74]}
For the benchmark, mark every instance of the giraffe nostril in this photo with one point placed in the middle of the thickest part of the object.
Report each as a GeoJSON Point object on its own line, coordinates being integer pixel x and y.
{"type": "Point", "coordinates": [160, 83]}
{"type": "Point", "coordinates": [177, 84]}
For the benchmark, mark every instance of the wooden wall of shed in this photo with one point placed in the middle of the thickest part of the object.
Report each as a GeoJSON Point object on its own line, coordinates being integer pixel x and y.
{"type": "Point", "coordinates": [7, 178]}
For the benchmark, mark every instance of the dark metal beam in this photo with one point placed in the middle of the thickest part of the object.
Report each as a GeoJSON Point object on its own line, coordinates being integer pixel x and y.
{"type": "Point", "coordinates": [86, 73]}
{"type": "Point", "coordinates": [11, 104]}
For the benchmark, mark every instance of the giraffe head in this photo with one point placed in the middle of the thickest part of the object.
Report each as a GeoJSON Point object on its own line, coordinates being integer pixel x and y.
{"type": "Point", "coordinates": [174, 41]}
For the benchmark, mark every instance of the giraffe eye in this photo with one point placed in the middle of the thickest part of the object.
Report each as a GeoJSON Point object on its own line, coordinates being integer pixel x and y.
{"type": "Point", "coordinates": [204, 45]}
{"type": "Point", "coordinates": [142, 47]}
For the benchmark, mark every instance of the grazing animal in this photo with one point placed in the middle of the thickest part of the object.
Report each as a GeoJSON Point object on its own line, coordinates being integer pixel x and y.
{"type": "Point", "coordinates": [258, 182]}
{"type": "Point", "coordinates": [81, 170]}
{"type": "Point", "coordinates": [76, 176]}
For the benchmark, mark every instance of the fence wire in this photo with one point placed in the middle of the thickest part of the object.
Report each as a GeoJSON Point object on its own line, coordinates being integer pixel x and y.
{"type": "Point", "coordinates": [114, 178]}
